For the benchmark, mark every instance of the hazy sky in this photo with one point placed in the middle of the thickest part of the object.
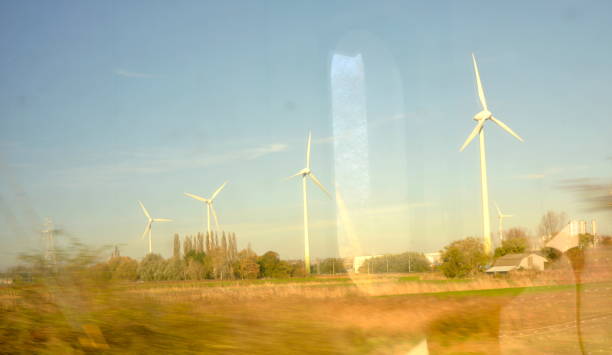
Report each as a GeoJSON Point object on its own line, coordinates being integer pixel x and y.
{"type": "Point", "coordinates": [104, 104]}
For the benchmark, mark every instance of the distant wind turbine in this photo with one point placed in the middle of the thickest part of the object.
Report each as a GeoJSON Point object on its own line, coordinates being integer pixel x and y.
{"type": "Point", "coordinates": [150, 223]}
{"type": "Point", "coordinates": [307, 173]}
{"type": "Point", "coordinates": [500, 217]}
{"type": "Point", "coordinates": [209, 205]}
{"type": "Point", "coordinates": [481, 117]}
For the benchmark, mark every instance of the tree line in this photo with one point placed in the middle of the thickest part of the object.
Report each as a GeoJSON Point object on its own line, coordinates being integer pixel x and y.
{"type": "Point", "coordinates": [466, 257]}
{"type": "Point", "coordinates": [399, 263]}
{"type": "Point", "coordinates": [208, 257]}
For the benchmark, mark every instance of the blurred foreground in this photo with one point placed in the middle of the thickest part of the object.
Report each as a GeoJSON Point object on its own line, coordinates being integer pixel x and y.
{"type": "Point", "coordinates": [67, 309]}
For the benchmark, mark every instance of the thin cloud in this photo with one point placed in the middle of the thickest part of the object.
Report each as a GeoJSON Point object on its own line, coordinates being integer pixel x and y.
{"type": "Point", "coordinates": [530, 176]}
{"type": "Point", "coordinates": [132, 74]}
{"type": "Point", "coordinates": [540, 175]}
{"type": "Point", "coordinates": [258, 152]}
{"type": "Point", "coordinates": [162, 162]}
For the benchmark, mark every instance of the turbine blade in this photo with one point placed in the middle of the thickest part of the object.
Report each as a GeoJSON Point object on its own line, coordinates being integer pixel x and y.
{"type": "Point", "coordinates": [481, 95]}
{"type": "Point", "coordinates": [316, 181]}
{"type": "Point", "coordinates": [215, 217]}
{"type": "Point", "coordinates": [292, 176]}
{"type": "Point", "coordinates": [498, 210]}
{"type": "Point", "coordinates": [145, 210]}
{"type": "Point", "coordinates": [473, 134]}
{"type": "Point", "coordinates": [162, 220]}
{"type": "Point", "coordinates": [217, 191]}
{"type": "Point", "coordinates": [199, 198]}
{"type": "Point", "coordinates": [506, 128]}
{"type": "Point", "coordinates": [147, 228]}
{"type": "Point", "coordinates": [308, 151]}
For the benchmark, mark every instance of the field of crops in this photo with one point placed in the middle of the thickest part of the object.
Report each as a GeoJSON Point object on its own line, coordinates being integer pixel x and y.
{"type": "Point", "coordinates": [326, 314]}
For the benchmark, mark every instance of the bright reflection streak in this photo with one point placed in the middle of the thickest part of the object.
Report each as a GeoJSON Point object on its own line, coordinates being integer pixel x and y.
{"type": "Point", "coordinates": [350, 129]}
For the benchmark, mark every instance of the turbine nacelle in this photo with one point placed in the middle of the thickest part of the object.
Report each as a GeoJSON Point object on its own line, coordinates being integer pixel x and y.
{"type": "Point", "coordinates": [483, 115]}
{"type": "Point", "coordinates": [305, 171]}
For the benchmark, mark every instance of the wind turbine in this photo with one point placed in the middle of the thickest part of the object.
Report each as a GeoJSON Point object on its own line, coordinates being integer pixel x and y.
{"type": "Point", "coordinates": [209, 205]}
{"type": "Point", "coordinates": [305, 174]}
{"type": "Point", "coordinates": [500, 217]}
{"type": "Point", "coordinates": [150, 223]}
{"type": "Point", "coordinates": [481, 117]}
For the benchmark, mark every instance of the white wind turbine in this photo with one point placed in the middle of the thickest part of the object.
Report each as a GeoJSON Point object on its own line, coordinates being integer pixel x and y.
{"type": "Point", "coordinates": [307, 173]}
{"type": "Point", "coordinates": [150, 223]}
{"type": "Point", "coordinates": [500, 217]}
{"type": "Point", "coordinates": [481, 117]}
{"type": "Point", "coordinates": [209, 205]}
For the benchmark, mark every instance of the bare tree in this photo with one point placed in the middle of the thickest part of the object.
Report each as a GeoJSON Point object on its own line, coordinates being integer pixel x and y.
{"type": "Point", "coordinates": [176, 246]}
{"type": "Point", "coordinates": [516, 232]}
{"type": "Point", "coordinates": [199, 243]}
{"type": "Point", "coordinates": [551, 223]}
{"type": "Point", "coordinates": [186, 245]}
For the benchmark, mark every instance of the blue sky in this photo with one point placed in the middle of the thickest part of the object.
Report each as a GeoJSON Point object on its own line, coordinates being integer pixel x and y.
{"type": "Point", "coordinates": [104, 104]}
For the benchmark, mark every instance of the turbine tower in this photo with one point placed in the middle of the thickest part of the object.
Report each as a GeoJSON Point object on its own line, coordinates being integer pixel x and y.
{"type": "Point", "coordinates": [48, 238]}
{"type": "Point", "coordinates": [150, 223]}
{"type": "Point", "coordinates": [305, 174]}
{"type": "Point", "coordinates": [481, 117]}
{"type": "Point", "coordinates": [209, 205]}
{"type": "Point", "coordinates": [500, 217]}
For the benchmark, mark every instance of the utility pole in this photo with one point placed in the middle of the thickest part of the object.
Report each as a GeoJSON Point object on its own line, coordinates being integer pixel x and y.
{"type": "Point", "coordinates": [387, 260]}
{"type": "Point", "coordinates": [47, 235]}
{"type": "Point", "coordinates": [409, 263]}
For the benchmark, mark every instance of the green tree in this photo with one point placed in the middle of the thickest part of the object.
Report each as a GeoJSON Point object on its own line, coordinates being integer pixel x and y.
{"type": "Point", "coordinates": [404, 262]}
{"type": "Point", "coordinates": [551, 254]}
{"type": "Point", "coordinates": [203, 270]}
{"type": "Point", "coordinates": [246, 266]}
{"type": "Point", "coordinates": [463, 258]}
{"type": "Point", "coordinates": [194, 270]}
{"type": "Point", "coordinates": [270, 265]}
{"type": "Point", "coordinates": [586, 240]}
{"type": "Point", "coordinates": [174, 269]}
{"type": "Point", "coordinates": [99, 272]}
{"type": "Point", "coordinates": [151, 268]}
{"type": "Point", "coordinates": [513, 243]}
{"type": "Point", "coordinates": [332, 266]}
{"type": "Point", "coordinates": [123, 268]}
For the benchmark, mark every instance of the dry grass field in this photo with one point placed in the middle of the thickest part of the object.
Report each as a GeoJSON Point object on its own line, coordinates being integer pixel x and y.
{"type": "Point", "coordinates": [525, 313]}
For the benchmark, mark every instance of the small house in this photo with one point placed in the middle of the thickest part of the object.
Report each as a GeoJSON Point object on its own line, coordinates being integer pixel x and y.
{"type": "Point", "coordinates": [511, 262]}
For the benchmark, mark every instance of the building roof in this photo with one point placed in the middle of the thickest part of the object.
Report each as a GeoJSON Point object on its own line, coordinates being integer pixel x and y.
{"type": "Point", "coordinates": [564, 240]}
{"type": "Point", "coordinates": [501, 268]}
{"type": "Point", "coordinates": [510, 260]}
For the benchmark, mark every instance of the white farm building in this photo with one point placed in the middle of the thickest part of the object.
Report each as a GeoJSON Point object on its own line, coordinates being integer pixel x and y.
{"type": "Point", "coordinates": [510, 262]}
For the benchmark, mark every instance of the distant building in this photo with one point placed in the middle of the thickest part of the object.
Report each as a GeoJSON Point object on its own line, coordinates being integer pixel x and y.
{"type": "Point", "coordinates": [434, 258]}
{"type": "Point", "coordinates": [359, 260]}
{"type": "Point", "coordinates": [583, 227]}
{"type": "Point", "coordinates": [348, 263]}
{"type": "Point", "coordinates": [511, 262]}
{"type": "Point", "coordinates": [566, 239]}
